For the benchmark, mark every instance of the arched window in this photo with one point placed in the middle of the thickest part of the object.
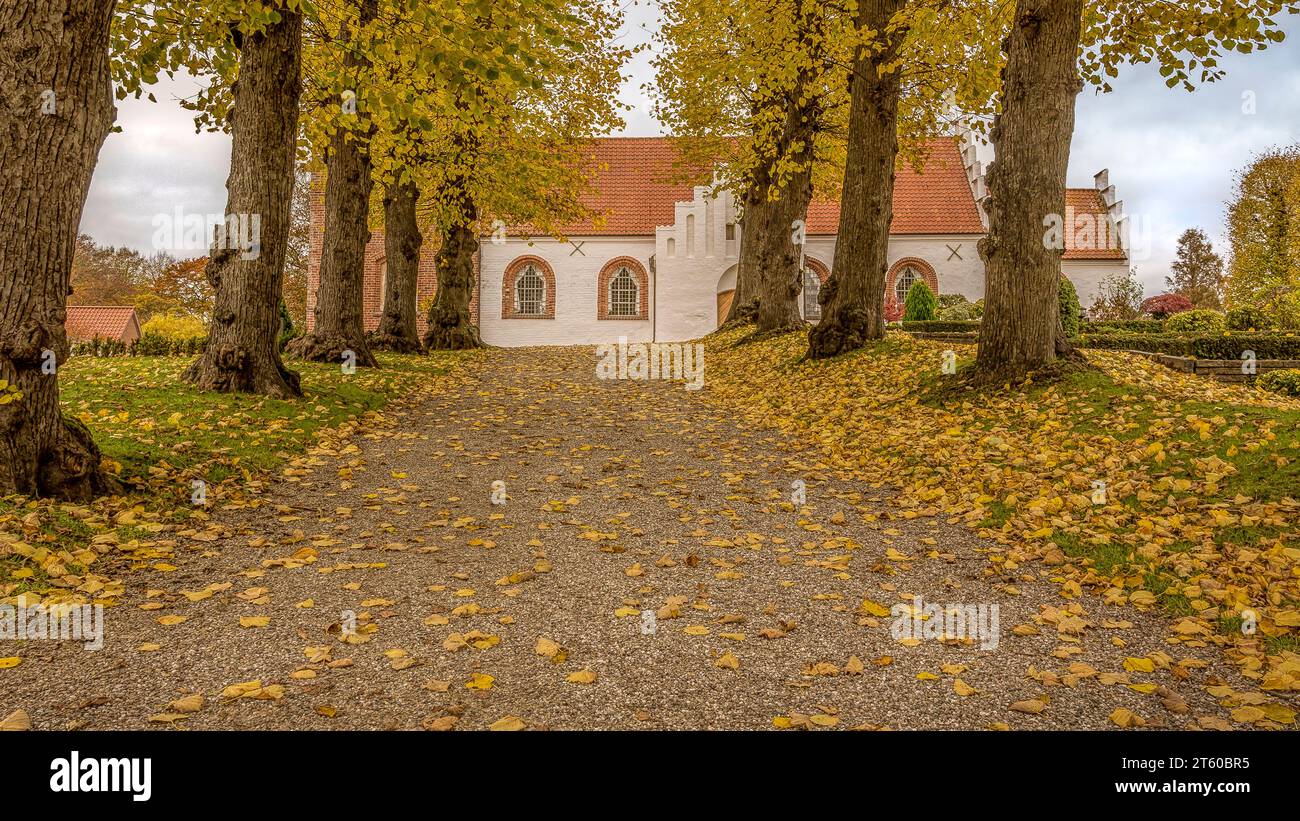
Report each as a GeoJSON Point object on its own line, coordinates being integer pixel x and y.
{"type": "Point", "coordinates": [530, 292]}
{"type": "Point", "coordinates": [622, 290]}
{"type": "Point", "coordinates": [812, 286]}
{"type": "Point", "coordinates": [815, 274]}
{"type": "Point", "coordinates": [907, 277]}
{"type": "Point", "coordinates": [624, 294]}
{"type": "Point", "coordinates": [904, 274]}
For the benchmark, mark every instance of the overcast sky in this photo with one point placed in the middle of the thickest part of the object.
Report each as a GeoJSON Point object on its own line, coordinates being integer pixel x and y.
{"type": "Point", "coordinates": [1171, 155]}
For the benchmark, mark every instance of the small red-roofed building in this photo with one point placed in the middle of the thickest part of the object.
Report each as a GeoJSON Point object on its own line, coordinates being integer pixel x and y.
{"type": "Point", "coordinates": [107, 322]}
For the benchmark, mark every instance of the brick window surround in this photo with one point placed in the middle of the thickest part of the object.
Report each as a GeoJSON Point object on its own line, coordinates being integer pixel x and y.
{"type": "Point", "coordinates": [817, 267]}
{"type": "Point", "coordinates": [642, 286]}
{"type": "Point", "coordinates": [922, 267]}
{"type": "Point", "coordinates": [508, 288]}
{"type": "Point", "coordinates": [823, 273]}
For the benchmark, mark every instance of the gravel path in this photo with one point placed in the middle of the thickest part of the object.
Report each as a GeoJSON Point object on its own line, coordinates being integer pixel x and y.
{"type": "Point", "coordinates": [621, 497]}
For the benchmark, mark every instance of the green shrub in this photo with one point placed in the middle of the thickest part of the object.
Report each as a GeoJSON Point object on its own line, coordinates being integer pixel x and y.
{"type": "Point", "coordinates": [1071, 312]}
{"type": "Point", "coordinates": [957, 308]}
{"type": "Point", "coordinates": [287, 331]}
{"type": "Point", "coordinates": [1285, 382]}
{"type": "Point", "coordinates": [1200, 321]}
{"type": "Point", "coordinates": [941, 326]}
{"type": "Point", "coordinates": [1124, 326]}
{"type": "Point", "coordinates": [921, 304]}
{"type": "Point", "coordinates": [1248, 318]}
{"type": "Point", "coordinates": [174, 326]}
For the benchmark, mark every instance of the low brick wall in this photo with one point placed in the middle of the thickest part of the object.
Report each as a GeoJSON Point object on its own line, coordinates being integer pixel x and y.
{"type": "Point", "coordinates": [1222, 370]}
{"type": "Point", "coordinates": [960, 338]}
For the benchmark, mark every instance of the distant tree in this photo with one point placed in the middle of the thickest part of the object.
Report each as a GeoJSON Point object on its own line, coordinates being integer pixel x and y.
{"type": "Point", "coordinates": [1197, 273]}
{"type": "Point", "coordinates": [180, 288]}
{"type": "Point", "coordinates": [1166, 305]}
{"type": "Point", "coordinates": [103, 275]}
{"type": "Point", "coordinates": [1119, 298]}
{"type": "Point", "coordinates": [1264, 229]}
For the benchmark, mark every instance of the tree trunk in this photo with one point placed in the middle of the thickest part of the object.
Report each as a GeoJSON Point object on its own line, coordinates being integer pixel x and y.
{"type": "Point", "coordinates": [744, 303]}
{"type": "Point", "coordinates": [775, 256]}
{"type": "Point", "coordinates": [242, 353]}
{"type": "Point", "coordinates": [56, 108]}
{"type": "Point", "coordinates": [338, 332]}
{"type": "Point", "coordinates": [450, 325]}
{"type": "Point", "coordinates": [1021, 328]}
{"type": "Point", "coordinates": [853, 301]}
{"type": "Point", "coordinates": [402, 241]}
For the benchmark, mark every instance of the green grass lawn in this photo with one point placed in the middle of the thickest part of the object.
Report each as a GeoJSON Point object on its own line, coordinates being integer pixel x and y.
{"type": "Point", "coordinates": [158, 434]}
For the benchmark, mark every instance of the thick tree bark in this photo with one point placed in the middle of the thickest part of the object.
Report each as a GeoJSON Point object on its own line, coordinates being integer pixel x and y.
{"type": "Point", "coordinates": [772, 262]}
{"type": "Point", "coordinates": [853, 300]}
{"type": "Point", "coordinates": [1021, 328]}
{"type": "Point", "coordinates": [242, 353]}
{"type": "Point", "coordinates": [56, 108]}
{"type": "Point", "coordinates": [402, 240]}
{"type": "Point", "coordinates": [769, 277]}
{"type": "Point", "coordinates": [744, 303]}
{"type": "Point", "coordinates": [338, 332]}
{"type": "Point", "coordinates": [451, 327]}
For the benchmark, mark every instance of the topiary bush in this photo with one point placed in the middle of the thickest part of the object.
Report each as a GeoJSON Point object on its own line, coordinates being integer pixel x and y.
{"type": "Point", "coordinates": [1247, 318]}
{"type": "Point", "coordinates": [1196, 322]}
{"type": "Point", "coordinates": [1071, 312]}
{"type": "Point", "coordinates": [1285, 382]}
{"type": "Point", "coordinates": [921, 304]}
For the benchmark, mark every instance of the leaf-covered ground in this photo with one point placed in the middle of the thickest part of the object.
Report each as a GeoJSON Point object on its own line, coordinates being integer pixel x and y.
{"type": "Point", "coordinates": [623, 497]}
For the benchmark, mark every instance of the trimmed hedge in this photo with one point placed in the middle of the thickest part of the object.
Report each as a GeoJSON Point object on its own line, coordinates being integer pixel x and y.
{"type": "Point", "coordinates": [1131, 326]}
{"type": "Point", "coordinates": [150, 344]}
{"type": "Point", "coordinates": [1151, 343]}
{"type": "Point", "coordinates": [940, 326]}
{"type": "Point", "coordinates": [1231, 346]}
{"type": "Point", "coordinates": [1202, 346]}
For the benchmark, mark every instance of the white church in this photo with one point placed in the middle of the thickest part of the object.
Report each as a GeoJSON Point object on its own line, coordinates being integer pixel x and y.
{"type": "Point", "coordinates": [660, 265]}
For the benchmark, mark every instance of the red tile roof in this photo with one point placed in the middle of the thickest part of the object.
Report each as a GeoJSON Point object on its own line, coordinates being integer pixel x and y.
{"type": "Point", "coordinates": [1095, 236]}
{"type": "Point", "coordinates": [633, 188]}
{"type": "Point", "coordinates": [87, 322]}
